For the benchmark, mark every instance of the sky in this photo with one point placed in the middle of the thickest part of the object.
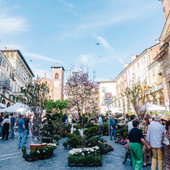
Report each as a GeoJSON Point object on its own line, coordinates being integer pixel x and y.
{"type": "Point", "coordinates": [65, 33]}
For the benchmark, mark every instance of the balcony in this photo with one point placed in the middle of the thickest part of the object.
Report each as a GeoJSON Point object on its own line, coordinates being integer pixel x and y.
{"type": "Point", "coordinates": [12, 76]}
{"type": "Point", "coordinates": [159, 86]}
{"type": "Point", "coordinates": [5, 85]}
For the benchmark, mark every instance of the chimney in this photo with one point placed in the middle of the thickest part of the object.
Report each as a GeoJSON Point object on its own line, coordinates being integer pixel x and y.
{"type": "Point", "coordinates": [133, 57]}
{"type": "Point", "coordinates": [157, 41]}
{"type": "Point", "coordinates": [45, 75]}
{"type": "Point", "coordinates": [125, 65]}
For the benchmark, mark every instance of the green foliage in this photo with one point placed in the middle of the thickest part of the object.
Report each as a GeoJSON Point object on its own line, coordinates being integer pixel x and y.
{"type": "Point", "coordinates": [85, 120]}
{"type": "Point", "coordinates": [58, 105]}
{"type": "Point", "coordinates": [65, 144]}
{"type": "Point", "coordinates": [105, 128]}
{"type": "Point", "coordinates": [77, 132]}
{"type": "Point", "coordinates": [74, 140]}
{"type": "Point", "coordinates": [90, 132]}
{"type": "Point", "coordinates": [85, 160]}
{"type": "Point", "coordinates": [76, 127]}
{"type": "Point", "coordinates": [91, 124]}
{"type": "Point", "coordinates": [118, 115]}
{"type": "Point", "coordinates": [24, 150]}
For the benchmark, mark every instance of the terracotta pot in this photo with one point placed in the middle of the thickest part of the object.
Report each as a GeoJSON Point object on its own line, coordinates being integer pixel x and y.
{"type": "Point", "coordinates": [33, 146]}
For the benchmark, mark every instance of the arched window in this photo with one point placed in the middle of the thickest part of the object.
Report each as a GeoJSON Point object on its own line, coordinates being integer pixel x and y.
{"type": "Point", "coordinates": [56, 75]}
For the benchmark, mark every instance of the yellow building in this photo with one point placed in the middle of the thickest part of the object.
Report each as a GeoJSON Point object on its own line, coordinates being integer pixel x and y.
{"type": "Point", "coordinates": [155, 78]}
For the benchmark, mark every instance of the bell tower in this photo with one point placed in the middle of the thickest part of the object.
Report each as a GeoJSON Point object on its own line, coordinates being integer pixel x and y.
{"type": "Point", "coordinates": [57, 83]}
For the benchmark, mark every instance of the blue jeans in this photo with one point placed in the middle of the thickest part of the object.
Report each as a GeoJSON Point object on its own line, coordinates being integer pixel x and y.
{"type": "Point", "coordinates": [12, 131]}
{"type": "Point", "coordinates": [0, 131]}
{"type": "Point", "coordinates": [113, 132]}
{"type": "Point", "coordinates": [21, 139]}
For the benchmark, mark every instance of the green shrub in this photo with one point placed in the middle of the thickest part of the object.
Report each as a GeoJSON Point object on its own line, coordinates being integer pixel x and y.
{"type": "Point", "coordinates": [85, 120]}
{"type": "Point", "coordinates": [91, 124]}
{"type": "Point", "coordinates": [65, 144]}
{"type": "Point", "coordinates": [90, 132]}
{"type": "Point", "coordinates": [77, 132]}
{"type": "Point", "coordinates": [77, 127]}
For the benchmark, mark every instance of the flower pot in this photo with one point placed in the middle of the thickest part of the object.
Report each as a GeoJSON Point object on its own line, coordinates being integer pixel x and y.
{"type": "Point", "coordinates": [33, 146]}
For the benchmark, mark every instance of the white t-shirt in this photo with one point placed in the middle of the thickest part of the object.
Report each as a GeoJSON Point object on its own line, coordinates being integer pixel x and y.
{"type": "Point", "coordinates": [130, 126]}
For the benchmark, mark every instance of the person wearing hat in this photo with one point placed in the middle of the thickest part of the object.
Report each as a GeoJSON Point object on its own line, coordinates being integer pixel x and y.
{"type": "Point", "coordinates": [164, 120]}
{"type": "Point", "coordinates": [154, 138]}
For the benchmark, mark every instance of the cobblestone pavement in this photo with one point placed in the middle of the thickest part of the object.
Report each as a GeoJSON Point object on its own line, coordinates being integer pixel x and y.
{"type": "Point", "coordinates": [11, 158]}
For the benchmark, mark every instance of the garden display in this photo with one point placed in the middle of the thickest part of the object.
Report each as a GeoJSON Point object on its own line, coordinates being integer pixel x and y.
{"type": "Point", "coordinates": [53, 129]}
{"type": "Point", "coordinates": [85, 157]}
{"type": "Point", "coordinates": [39, 153]}
{"type": "Point", "coordinates": [74, 140]}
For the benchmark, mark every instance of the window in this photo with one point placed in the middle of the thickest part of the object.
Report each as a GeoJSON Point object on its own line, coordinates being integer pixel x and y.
{"type": "Point", "coordinates": [3, 64]}
{"type": "Point", "coordinates": [56, 75]}
{"type": "Point", "coordinates": [153, 71]}
{"type": "Point", "coordinates": [103, 89]}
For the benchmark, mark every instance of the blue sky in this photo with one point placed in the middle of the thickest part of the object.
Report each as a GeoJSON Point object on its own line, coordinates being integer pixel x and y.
{"type": "Point", "coordinates": [65, 32]}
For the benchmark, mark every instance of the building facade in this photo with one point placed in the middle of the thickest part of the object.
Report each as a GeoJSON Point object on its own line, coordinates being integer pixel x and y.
{"type": "Point", "coordinates": [137, 70]}
{"type": "Point", "coordinates": [6, 80]}
{"type": "Point", "coordinates": [107, 86]}
{"type": "Point", "coordinates": [56, 84]}
{"type": "Point", "coordinates": [17, 70]}
{"type": "Point", "coordinates": [164, 56]}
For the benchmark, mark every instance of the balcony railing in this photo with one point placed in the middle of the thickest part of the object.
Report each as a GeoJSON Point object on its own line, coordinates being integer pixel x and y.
{"type": "Point", "coordinates": [5, 85]}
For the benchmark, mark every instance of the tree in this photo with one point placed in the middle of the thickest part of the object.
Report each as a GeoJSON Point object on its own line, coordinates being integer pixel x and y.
{"type": "Point", "coordinates": [136, 95]}
{"type": "Point", "coordinates": [34, 94]}
{"type": "Point", "coordinates": [58, 105]}
{"type": "Point", "coordinates": [82, 93]}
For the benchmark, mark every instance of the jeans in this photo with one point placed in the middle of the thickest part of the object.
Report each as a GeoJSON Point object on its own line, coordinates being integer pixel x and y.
{"type": "Point", "coordinates": [113, 132]}
{"type": "Point", "coordinates": [0, 131]}
{"type": "Point", "coordinates": [12, 131]}
{"type": "Point", "coordinates": [21, 139]}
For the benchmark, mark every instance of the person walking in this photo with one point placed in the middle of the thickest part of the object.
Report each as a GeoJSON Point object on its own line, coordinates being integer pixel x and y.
{"type": "Point", "coordinates": [145, 150]}
{"type": "Point", "coordinates": [166, 143]}
{"type": "Point", "coordinates": [99, 124]}
{"type": "Point", "coordinates": [12, 125]}
{"type": "Point", "coordinates": [134, 145]}
{"type": "Point", "coordinates": [154, 138]}
{"type": "Point", "coordinates": [112, 125]}
{"type": "Point", "coordinates": [21, 132]}
{"type": "Point", "coordinates": [5, 127]}
{"type": "Point", "coordinates": [1, 119]}
{"type": "Point", "coordinates": [130, 124]}
{"type": "Point", "coordinates": [27, 122]}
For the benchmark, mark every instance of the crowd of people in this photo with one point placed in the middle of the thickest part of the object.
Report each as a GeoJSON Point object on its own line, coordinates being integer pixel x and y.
{"type": "Point", "coordinates": [148, 142]}
{"type": "Point", "coordinates": [9, 123]}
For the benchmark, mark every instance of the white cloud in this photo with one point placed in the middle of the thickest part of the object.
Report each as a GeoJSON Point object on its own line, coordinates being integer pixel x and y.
{"type": "Point", "coordinates": [104, 42]}
{"type": "Point", "coordinates": [41, 57]}
{"type": "Point", "coordinates": [69, 5]}
{"type": "Point", "coordinates": [84, 59]}
{"type": "Point", "coordinates": [11, 24]}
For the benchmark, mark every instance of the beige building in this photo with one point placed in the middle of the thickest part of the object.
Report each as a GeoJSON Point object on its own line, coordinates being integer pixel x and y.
{"type": "Point", "coordinates": [164, 56]}
{"type": "Point", "coordinates": [56, 84]}
{"type": "Point", "coordinates": [15, 72]}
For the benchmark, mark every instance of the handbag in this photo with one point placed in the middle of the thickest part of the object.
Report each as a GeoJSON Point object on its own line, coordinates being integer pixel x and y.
{"type": "Point", "coordinates": [166, 141]}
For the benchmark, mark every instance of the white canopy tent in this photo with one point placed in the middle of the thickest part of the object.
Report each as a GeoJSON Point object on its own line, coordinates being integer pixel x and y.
{"type": "Point", "coordinates": [17, 107]}
{"type": "Point", "coordinates": [155, 108]}
{"type": "Point", "coordinates": [2, 105]}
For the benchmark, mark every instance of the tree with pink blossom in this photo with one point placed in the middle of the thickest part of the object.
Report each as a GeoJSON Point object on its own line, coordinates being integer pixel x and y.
{"type": "Point", "coordinates": [82, 92]}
